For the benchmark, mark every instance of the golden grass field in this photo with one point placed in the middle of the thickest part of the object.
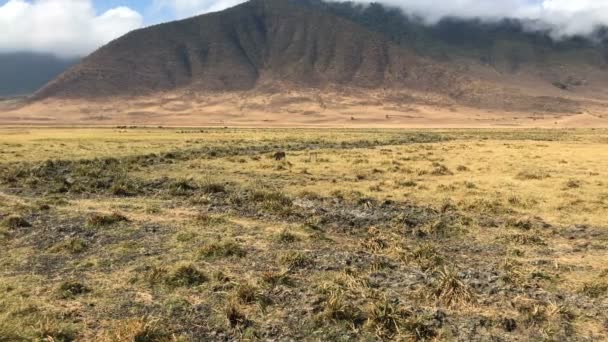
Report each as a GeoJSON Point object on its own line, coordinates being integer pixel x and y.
{"type": "Point", "coordinates": [150, 234]}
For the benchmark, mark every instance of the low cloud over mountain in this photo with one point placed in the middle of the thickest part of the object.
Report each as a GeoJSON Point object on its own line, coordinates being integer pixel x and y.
{"type": "Point", "coordinates": [561, 17]}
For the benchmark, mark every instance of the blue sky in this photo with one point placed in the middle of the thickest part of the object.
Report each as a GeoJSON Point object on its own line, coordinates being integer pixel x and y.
{"type": "Point", "coordinates": [78, 27]}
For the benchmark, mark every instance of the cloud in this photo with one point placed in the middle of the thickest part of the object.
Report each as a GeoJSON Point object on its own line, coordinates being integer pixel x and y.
{"type": "Point", "coordinates": [66, 28]}
{"type": "Point", "coordinates": [188, 8]}
{"type": "Point", "coordinates": [560, 17]}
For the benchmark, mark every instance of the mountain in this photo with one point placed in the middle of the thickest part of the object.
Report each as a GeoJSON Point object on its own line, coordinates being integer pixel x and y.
{"type": "Point", "coordinates": [262, 41]}
{"type": "Point", "coordinates": [23, 73]}
{"type": "Point", "coordinates": [274, 61]}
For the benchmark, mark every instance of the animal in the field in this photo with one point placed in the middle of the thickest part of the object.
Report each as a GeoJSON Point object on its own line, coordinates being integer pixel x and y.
{"type": "Point", "coordinates": [280, 155]}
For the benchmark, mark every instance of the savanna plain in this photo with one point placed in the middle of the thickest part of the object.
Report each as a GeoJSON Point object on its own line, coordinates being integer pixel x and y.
{"type": "Point", "coordinates": [169, 234]}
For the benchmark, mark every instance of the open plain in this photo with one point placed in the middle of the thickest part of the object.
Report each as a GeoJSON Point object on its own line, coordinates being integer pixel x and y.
{"type": "Point", "coordinates": [151, 234]}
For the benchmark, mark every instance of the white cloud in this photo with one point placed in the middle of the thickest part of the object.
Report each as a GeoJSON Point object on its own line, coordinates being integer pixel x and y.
{"type": "Point", "coordinates": [561, 17]}
{"type": "Point", "coordinates": [188, 8]}
{"type": "Point", "coordinates": [63, 27]}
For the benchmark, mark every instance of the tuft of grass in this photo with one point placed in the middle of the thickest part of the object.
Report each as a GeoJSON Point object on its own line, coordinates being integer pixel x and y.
{"type": "Point", "coordinates": [71, 289]}
{"type": "Point", "coordinates": [532, 175]}
{"type": "Point", "coordinates": [524, 239]}
{"type": "Point", "coordinates": [573, 184]}
{"type": "Point", "coordinates": [247, 293]}
{"type": "Point", "coordinates": [385, 318]}
{"type": "Point", "coordinates": [15, 222]}
{"type": "Point", "coordinates": [213, 188]}
{"type": "Point", "coordinates": [102, 220]}
{"type": "Point", "coordinates": [442, 227]}
{"type": "Point", "coordinates": [408, 184]}
{"type": "Point", "coordinates": [207, 219]}
{"type": "Point", "coordinates": [374, 244]}
{"type": "Point", "coordinates": [73, 245]}
{"type": "Point", "coordinates": [594, 289]}
{"type": "Point", "coordinates": [426, 257]}
{"type": "Point", "coordinates": [450, 290]}
{"type": "Point", "coordinates": [155, 275]}
{"type": "Point", "coordinates": [124, 188]}
{"type": "Point", "coordinates": [286, 237]}
{"type": "Point", "coordinates": [143, 329]}
{"type": "Point", "coordinates": [294, 260]}
{"type": "Point", "coordinates": [182, 188]}
{"type": "Point", "coordinates": [235, 317]}
{"type": "Point", "coordinates": [338, 307]}
{"type": "Point", "coordinates": [272, 201]}
{"type": "Point", "coordinates": [223, 249]}
{"type": "Point", "coordinates": [186, 276]}
{"type": "Point", "coordinates": [49, 329]}
{"type": "Point", "coordinates": [276, 278]}
{"type": "Point", "coordinates": [440, 170]}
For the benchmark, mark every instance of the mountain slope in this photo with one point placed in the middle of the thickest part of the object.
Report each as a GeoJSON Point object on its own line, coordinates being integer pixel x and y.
{"type": "Point", "coordinates": [257, 42]}
{"type": "Point", "coordinates": [24, 73]}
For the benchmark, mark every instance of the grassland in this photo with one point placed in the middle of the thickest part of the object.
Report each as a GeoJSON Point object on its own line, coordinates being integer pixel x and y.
{"type": "Point", "coordinates": [136, 234]}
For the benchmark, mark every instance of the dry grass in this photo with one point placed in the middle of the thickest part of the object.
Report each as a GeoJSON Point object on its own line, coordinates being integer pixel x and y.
{"type": "Point", "coordinates": [173, 235]}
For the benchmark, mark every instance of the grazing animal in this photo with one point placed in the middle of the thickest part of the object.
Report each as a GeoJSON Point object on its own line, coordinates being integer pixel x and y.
{"type": "Point", "coordinates": [280, 155]}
